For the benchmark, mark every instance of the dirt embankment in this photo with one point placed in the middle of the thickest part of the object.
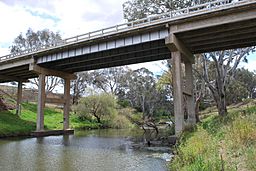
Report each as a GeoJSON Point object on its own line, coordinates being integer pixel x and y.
{"type": "Point", "coordinates": [6, 101]}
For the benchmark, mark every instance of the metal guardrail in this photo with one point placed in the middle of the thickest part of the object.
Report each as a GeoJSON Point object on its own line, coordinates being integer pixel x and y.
{"type": "Point", "coordinates": [155, 19]}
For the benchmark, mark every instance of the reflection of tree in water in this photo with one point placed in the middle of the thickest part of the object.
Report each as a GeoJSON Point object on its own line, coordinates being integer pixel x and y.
{"type": "Point", "coordinates": [149, 135]}
{"type": "Point", "coordinates": [150, 130]}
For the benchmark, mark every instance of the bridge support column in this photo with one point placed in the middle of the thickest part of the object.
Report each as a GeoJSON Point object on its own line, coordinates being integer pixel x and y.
{"type": "Point", "coordinates": [190, 95]}
{"type": "Point", "coordinates": [177, 89]}
{"type": "Point", "coordinates": [41, 102]}
{"type": "Point", "coordinates": [179, 54]}
{"type": "Point", "coordinates": [19, 98]}
{"type": "Point", "coordinates": [66, 104]}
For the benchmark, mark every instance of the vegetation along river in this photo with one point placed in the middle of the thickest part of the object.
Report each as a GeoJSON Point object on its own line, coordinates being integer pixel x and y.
{"type": "Point", "coordinates": [95, 150]}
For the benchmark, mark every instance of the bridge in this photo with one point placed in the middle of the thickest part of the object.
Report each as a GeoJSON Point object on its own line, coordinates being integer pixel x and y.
{"type": "Point", "coordinates": [218, 25]}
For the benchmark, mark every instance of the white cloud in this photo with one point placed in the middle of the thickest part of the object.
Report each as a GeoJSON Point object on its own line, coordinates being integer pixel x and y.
{"type": "Point", "coordinates": [251, 65]}
{"type": "Point", "coordinates": [156, 67]}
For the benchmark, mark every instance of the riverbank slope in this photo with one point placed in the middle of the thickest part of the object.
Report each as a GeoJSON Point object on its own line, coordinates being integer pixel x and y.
{"type": "Point", "coordinates": [218, 143]}
{"type": "Point", "coordinates": [12, 125]}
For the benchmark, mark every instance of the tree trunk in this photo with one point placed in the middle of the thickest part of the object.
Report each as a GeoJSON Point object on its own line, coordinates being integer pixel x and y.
{"type": "Point", "coordinates": [222, 106]}
{"type": "Point", "coordinates": [198, 100]}
{"type": "Point", "coordinates": [98, 118]}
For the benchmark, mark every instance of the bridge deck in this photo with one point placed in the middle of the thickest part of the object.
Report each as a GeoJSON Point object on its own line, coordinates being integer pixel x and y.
{"type": "Point", "coordinates": [209, 27]}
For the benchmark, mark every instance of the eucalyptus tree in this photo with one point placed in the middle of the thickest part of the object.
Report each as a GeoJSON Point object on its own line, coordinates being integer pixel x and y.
{"type": "Point", "coordinates": [140, 89]}
{"type": "Point", "coordinates": [225, 62]}
{"type": "Point", "coordinates": [137, 9]}
{"type": "Point", "coordinates": [223, 65]}
{"type": "Point", "coordinates": [247, 79]}
{"type": "Point", "coordinates": [79, 85]}
{"type": "Point", "coordinates": [35, 40]}
{"type": "Point", "coordinates": [108, 80]}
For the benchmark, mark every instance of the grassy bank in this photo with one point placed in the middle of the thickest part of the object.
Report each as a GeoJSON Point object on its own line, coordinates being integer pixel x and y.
{"type": "Point", "coordinates": [12, 125]}
{"type": "Point", "coordinates": [217, 143]}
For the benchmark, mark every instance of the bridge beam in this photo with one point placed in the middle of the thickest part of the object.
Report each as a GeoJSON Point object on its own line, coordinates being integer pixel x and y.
{"type": "Point", "coordinates": [13, 78]}
{"type": "Point", "coordinates": [174, 44]}
{"type": "Point", "coordinates": [50, 72]}
{"type": "Point", "coordinates": [179, 54]}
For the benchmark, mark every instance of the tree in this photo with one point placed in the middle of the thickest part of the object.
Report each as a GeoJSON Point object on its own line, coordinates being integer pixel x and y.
{"type": "Point", "coordinates": [137, 9]}
{"type": "Point", "coordinates": [96, 106]}
{"type": "Point", "coordinates": [34, 40]}
{"type": "Point", "coordinates": [223, 65]}
{"type": "Point", "coordinates": [108, 79]}
{"type": "Point", "coordinates": [139, 87]}
{"type": "Point", "coordinates": [248, 79]}
{"type": "Point", "coordinates": [51, 83]}
{"type": "Point", "coordinates": [79, 85]}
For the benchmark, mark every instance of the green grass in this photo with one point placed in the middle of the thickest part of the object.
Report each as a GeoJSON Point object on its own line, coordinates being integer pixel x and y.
{"type": "Point", "coordinates": [12, 125]}
{"type": "Point", "coordinates": [218, 143]}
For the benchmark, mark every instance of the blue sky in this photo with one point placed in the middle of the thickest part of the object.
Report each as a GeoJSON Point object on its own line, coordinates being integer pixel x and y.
{"type": "Point", "coordinates": [68, 17]}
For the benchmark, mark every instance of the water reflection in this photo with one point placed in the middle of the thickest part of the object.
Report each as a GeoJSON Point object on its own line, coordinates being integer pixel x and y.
{"type": "Point", "coordinates": [87, 150]}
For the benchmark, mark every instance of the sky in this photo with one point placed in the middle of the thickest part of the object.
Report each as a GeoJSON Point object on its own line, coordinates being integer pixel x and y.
{"type": "Point", "coordinates": [69, 18]}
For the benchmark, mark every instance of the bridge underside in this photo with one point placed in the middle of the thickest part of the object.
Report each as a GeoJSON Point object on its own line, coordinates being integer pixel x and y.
{"type": "Point", "coordinates": [146, 52]}
{"type": "Point", "coordinates": [221, 37]}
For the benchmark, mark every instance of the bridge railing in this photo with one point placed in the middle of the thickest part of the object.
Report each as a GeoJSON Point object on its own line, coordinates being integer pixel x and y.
{"type": "Point", "coordinates": [172, 15]}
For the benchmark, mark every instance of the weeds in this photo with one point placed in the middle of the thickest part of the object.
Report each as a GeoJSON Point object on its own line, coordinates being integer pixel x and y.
{"type": "Point", "coordinates": [220, 143]}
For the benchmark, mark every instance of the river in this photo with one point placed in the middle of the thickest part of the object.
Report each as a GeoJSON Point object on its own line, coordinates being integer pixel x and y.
{"type": "Point", "coordinates": [94, 150]}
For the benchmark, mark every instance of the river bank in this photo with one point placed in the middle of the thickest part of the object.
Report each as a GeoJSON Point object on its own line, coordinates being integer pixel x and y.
{"type": "Point", "coordinates": [12, 125]}
{"type": "Point", "coordinates": [217, 143]}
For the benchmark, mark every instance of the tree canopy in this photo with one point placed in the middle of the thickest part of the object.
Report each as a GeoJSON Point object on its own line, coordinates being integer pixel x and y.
{"type": "Point", "coordinates": [33, 39]}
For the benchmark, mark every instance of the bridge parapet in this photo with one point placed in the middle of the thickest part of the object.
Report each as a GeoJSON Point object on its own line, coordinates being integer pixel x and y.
{"type": "Point", "coordinates": [129, 26]}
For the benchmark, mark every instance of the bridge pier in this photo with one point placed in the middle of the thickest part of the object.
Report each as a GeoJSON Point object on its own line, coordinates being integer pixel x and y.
{"type": "Point", "coordinates": [40, 103]}
{"type": "Point", "coordinates": [66, 104]}
{"type": "Point", "coordinates": [189, 93]}
{"type": "Point", "coordinates": [42, 99]}
{"type": "Point", "coordinates": [19, 98]}
{"type": "Point", "coordinates": [180, 54]}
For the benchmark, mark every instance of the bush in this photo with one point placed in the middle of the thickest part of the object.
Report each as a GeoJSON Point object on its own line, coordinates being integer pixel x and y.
{"type": "Point", "coordinates": [96, 106]}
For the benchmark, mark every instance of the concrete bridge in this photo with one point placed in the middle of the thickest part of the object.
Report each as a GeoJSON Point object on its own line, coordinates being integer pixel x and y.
{"type": "Point", "coordinates": [218, 25]}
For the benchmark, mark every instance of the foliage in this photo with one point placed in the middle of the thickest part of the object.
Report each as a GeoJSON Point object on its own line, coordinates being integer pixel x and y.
{"type": "Point", "coordinates": [218, 70]}
{"type": "Point", "coordinates": [120, 121]}
{"type": "Point", "coordinates": [137, 9]}
{"type": "Point", "coordinates": [79, 85]}
{"type": "Point", "coordinates": [95, 106]}
{"type": "Point", "coordinates": [220, 143]}
{"type": "Point", "coordinates": [108, 80]}
{"type": "Point", "coordinates": [236, 92]}
{"type": "Point", "coordinates": [35, 40]}
{"type": "Point", "coordinates": [247, 79]}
